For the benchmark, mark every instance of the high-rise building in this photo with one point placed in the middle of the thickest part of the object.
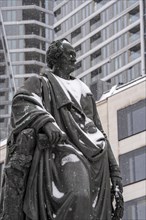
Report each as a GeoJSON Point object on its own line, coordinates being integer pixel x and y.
{"type": "Point", "coordinates": [108, 37]}
{"type": "Point", "coordinates": [26, 30]}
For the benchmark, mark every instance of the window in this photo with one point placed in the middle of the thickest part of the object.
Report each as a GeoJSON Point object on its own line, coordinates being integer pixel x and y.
{"type": "Point", "coordinates": [95, 37]}
{"type": "Point", "coordinates": [96, 72]}
{"type": "Point", "coordinates": [2, 120]}
{"type": "Point", "coordinates": [35, 56]}
{"type": "Point", "coordinates": [97, 1]}
{"type": "Point", "coordinates": [57, 12]}
{"type": "Point", "coordinates": [95, 54]}
{"type": "Point", "coordinates": [33, 29]}
{"type": "Point", "coordinates": [32, 14]}
{"type": "Point", "coordinates": [2, 57]}
{"type": "Point", "coordinates": [2, 106]}
{"type": "Point", "coordinates": [132, 119]}
{"type": "Point", "coordinates": [58, 28]}
{"type": "Point", "coordinates": [2, 93]}
{"type": "Point", "coordinates": [76, 32]}
{"type": "Point", "coordinates": [135, 52]}
{"type": "Point", "coordinates": [135, 209]}
{"type": "Point", "coordinates": [134, 11]}
{"type": "Point", "coordinates": [95, 19]}
{"type": "Point", "coordinates": [135, 29]}
{"type": "Point", "coordinates": [78, 65]}
{"type": "Point", "coordinates": [32, 69]}
{"type": "Point", "coordinates": [133, 166]}
{"type": "Point", "coordinates": [78, 48]}
{"type": "Point", "coordinates": [2, 80]}
{"type": "Point", "coordinates": [134, 33]}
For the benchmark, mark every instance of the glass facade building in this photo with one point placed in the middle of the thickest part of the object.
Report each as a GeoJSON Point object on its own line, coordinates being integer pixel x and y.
{"type": "Point", "coordinates": [26, 30]}
{"type": "Point", "coordinates": [108, 37]}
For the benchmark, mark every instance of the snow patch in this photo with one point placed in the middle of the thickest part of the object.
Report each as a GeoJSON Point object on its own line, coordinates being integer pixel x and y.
{"type": "Point", "coordinates": [75, 87]}
{"type": "Point", "coordinates": [56, 192]}
{"type": "Point", "coordinates": [94, 202]}
{"type": "Point", "coordinates": [69, 158]}
{"type": "Point", "coordinates": [38, 99]}
{"type": "Point", "coordinates": [70, 146]}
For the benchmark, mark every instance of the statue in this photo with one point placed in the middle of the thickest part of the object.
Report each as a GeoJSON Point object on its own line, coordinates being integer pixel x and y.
{"type": "Point", "coordinates": [59, 162]}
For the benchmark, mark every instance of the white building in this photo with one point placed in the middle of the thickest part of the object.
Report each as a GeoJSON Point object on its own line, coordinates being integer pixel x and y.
{"type": "Point", "coordinates": [123, 114]}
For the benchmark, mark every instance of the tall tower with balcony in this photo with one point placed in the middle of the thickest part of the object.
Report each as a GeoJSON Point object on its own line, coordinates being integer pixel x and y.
{"type": "Point", "coordinates": [26, 31]}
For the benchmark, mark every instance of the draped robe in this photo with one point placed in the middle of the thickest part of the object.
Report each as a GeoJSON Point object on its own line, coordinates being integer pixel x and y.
{"type": "Point", "coordinates": [69, 180]}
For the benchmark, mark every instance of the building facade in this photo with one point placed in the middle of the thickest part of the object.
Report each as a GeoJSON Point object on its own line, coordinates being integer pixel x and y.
{"type": "Point", "coordinates": [124, 121]}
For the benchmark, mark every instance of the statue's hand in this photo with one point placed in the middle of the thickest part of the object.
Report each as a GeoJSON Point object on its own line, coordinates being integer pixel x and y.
{"type": "Point", "coordinates": [118, 210]}
{"type": "Point", "coordinates": [117, 190]}
{"type": "Point", "coordinates": [54, 133]}
{"type": "Point", "coordinates": [117, 181]}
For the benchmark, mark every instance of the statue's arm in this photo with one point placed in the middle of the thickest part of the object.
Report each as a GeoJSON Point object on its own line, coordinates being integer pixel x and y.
{"type": "Point", "coordinates": [29, 109]}
{"type": "Point", "coordinates": [27, 106]}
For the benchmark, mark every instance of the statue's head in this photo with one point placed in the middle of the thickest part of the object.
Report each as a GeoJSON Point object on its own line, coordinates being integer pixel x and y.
{"type": "Point", "coordinates": [61, 54]}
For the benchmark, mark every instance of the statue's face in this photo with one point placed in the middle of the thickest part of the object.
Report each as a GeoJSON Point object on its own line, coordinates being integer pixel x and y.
{"type": "Point", "coordinates": [68, 58]}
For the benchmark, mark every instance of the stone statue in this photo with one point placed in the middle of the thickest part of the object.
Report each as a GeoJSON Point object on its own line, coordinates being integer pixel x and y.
{"type": "Point", "coordinates": [59, 163]}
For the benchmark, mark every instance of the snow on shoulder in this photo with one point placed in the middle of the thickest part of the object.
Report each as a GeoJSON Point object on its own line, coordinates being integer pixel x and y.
{"type": "Point", "coordinates": [84, 88]}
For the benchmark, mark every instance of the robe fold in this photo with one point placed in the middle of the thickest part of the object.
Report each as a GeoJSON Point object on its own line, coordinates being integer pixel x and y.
{"type": "Point", "coordinates": [67, 181]}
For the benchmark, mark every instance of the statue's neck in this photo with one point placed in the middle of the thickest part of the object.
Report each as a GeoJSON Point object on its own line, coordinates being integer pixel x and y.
{"type": "Point", "coordinates": [61, 73]}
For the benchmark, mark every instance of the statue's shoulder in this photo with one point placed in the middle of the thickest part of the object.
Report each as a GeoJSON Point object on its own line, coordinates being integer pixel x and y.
{"type": "Point", "coordinates": [33, 81]}
{"type": "Point", "coordinates": [31, 85]}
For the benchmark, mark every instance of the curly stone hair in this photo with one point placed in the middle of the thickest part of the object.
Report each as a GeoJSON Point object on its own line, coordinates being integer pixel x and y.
{"type": "Point", "coordinates": [54, 51]}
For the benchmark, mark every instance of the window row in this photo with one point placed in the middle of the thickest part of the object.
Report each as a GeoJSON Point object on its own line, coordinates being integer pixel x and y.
{"type": "Point", "coordinates": [131, 120]}
{"type": "Point", "coordinates": [43, 3]}
{"type": "Point", "coordinates": [24, 69]}
{"type": "Point", "coordinates": [93, 6]}
{"type": "Point", "coordinates": [113, 64]}
{"type": "Point", "coordinates": [72, 5]}
{"type": "Point", "coordinates": [115, 45]}
{"type": "Point", "coordinates": [29, 29]}
{"type": "Point", "coordinates": [26, 43]}
{"type": "Point", "coordinates": [28, 14]}
{"type": "Point", "coordinates": [126, 76]}
{"type": "Point", "coordinates": [98, 20]}
{"type": "Point", "coordinates": [116, 8]}
{"type": "Point", "coordinates": [26, 56]}
{"type": "Point", "coordinates": [133, 166]}
{"type": "Point", "coordinates": [135, 209]}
